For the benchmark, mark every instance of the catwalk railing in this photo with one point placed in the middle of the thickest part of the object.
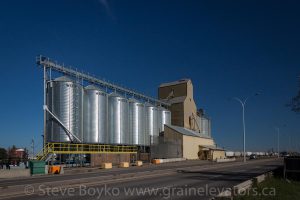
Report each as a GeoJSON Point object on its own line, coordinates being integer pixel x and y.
{"type": "Point", "coordinates": [68, 148]}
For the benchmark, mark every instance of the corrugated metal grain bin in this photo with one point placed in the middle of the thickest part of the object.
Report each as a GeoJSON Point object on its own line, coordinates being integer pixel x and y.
{"type": "Point", "coordinates": [151, 123]}
{"type": "Point", "coordinates": [118, 119]}
{"type": "Point", "coordinates": [95, 111]}
{"type": "Point", "coordinates": [164, 118]}
{"type": "Point", "coordinates": [136, 122]}
{"type": "Point", "coordinates": [64, 99]}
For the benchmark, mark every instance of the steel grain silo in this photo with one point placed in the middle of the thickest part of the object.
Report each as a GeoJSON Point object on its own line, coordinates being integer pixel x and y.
{"type": "Point", "coordinates": [152, 129]}
{"type": "Point", "coordinates": [205, 126]}
{"type": "Point", "coordinates": [164, 118]}
{"type": "Point", "coordinates": [95, 115]}
{"type": "Point", "coordinates": [159, 120]}
{"type": "Point", "coordinates": [64, 100]}
{"type": "Point", "coordinates": [136, 122]}
{"type": "Point", "coordinates": [118, 119]}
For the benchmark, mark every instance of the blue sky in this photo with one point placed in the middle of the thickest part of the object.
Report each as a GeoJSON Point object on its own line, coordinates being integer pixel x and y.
{"type": "Point", "coordinates": [227, 48]}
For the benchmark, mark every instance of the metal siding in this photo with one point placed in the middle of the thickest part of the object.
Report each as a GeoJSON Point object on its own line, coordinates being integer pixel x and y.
{"type": "Point", "coordinates": [151, 123]}
{"type": "Point", "coordinates": [205, 126]}
{"type": "Point", "coordinates": [136, 123]}
{"type": "Point", "coordinates": [118, 120]}
{"type": "Point", "coordinates": [62, 102]}
{"type": "Point", "coordinates": [165, 118]}
{"type": "Point", "coordinates": [141, 120]}
{"type": "Point", "coordinates": [94, 121]}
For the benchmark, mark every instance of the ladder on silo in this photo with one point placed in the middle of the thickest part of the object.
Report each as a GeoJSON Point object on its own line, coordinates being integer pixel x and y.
{"type": "Point", "coordinates": [77, 107]}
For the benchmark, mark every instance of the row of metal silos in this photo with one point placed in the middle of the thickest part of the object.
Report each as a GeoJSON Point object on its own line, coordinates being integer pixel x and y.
{"type": "Point", "coordinates": [97, 117]}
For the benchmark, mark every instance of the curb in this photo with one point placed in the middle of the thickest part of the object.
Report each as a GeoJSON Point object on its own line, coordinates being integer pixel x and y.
{"type": "Point", "coordinates": [238, 189]}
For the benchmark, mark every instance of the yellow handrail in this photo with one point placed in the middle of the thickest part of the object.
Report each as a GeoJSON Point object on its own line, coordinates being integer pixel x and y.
{"type": "Point", "coordinates": [68, 148]}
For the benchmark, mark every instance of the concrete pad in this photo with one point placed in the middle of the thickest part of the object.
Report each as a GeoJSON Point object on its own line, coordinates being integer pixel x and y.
{"type": "Point", "coordinates": [124, 164]}
{"type": "Point", "coordinates": [139, 163]}
{"type": "Point", "coordinates": [106, 165]}
{"type": "Point", "coordinates": [225, 160]}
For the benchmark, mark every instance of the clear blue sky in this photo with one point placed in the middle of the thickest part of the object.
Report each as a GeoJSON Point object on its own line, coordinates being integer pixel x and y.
{"type": "Point", "coordinates": [227, 48]}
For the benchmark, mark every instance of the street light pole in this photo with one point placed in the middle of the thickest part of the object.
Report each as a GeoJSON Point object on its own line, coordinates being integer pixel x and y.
{"type": "Point", "coordinates": [243, 103]}
{"type": "Point", "coordinates": [244, 126]}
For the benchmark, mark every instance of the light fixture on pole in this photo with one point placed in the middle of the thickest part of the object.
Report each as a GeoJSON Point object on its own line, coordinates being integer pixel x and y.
{"type": "Point", "coordinates": [243, 103]}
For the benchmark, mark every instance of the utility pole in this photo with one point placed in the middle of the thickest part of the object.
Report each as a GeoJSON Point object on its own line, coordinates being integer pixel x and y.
{"type": "Point", "coordinates": [45, 103]}
{"type": "Point", "coordinates": [278, 137]}
{"type": "Point", "coordinates": [32, 147]}
{"type": "Point", "coordinates": [290, 144]}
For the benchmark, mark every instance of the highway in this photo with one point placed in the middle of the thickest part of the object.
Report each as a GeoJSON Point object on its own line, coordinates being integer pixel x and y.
{"type": "Point", "coordinates": [182, 180]}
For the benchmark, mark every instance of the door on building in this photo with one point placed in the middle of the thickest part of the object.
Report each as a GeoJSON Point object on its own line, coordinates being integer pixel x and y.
{"type": "Point", "coordinates": [203, 153]}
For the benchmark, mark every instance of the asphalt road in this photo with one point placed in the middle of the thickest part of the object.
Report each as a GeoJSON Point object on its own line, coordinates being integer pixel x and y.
{"type": "Point", "coordinates": [83, 173]}
{"type": "Point", "coordinates": [173, 181]}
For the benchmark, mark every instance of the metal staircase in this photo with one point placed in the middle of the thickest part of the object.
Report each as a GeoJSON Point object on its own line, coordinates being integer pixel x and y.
{"type": "Point", "coordinates": [42, 155]}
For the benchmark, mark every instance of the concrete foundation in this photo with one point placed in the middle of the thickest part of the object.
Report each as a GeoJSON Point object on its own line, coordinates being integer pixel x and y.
{"type": "Point", "coordinates": [115, 159]}
{"type": "Point", "coordinates": [14, 173]}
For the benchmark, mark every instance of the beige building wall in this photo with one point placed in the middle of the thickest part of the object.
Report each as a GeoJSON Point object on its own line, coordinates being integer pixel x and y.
{"type": "Point", "coordinates": [191, 146]}
{"type": "Point", "coordinates": [190, 113]}
{"type": "Point", "coordinates": [183, 113]}
{"type": "Point", "coordinates": [218, 154]}
{"type": "Point", "coordinates": [190, 89]}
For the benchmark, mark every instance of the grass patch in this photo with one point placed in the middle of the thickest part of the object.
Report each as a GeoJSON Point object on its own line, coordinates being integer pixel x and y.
{"type": "Point", "coordinates": [273, 188]}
